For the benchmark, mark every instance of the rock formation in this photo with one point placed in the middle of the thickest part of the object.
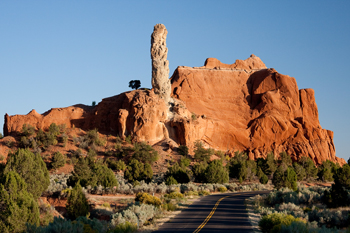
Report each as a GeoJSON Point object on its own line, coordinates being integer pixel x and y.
{"type": "Point", "coordinates": [160, 65]}
{"type": "Point", "coordinates": [243, 106]}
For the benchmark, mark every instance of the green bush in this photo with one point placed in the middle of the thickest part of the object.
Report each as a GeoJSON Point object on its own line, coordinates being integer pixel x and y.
{"type": "Point", "coordinates": [18, 206]}
{"type": "Point", "coordinates": [170, 180]}
{"type": "Point", "coordinates": [264, 179]}
{"type": "Point", "coordinates": [309, 166]}
{"type": "Point", "coordinates": [285, 178]}
{"type": "Point", "coordinates": [147, 198]}
{"type": "Point", "coordinates": [174, 195]}
{"type": "Point", "coordinates": [216, 172]}
{"type": "Point", "coordinates": [54, 129]}
{"type": "Point", "coordinates": [300, 171]}
{"type": "Point", "coordinates": [138, 171]}
{"type": "Point", "coordinates": [338, 194]}
{"type": "Point", "coordinates": [222, 189]}
{"type": "Point", "coordinates": [184, 162]}
{"type": "Point", "coordinates": [89, 172]}
{"type": "Point", "coordinates": [27, 130]}
{"type": "Point", "coordinates": [198, 170]}
{"type": "Point", "coordinates": [272, 223]}
{"type": "Point", "coordinates": [31, 168]}
{"type": "Point", "coordinates": [125, 227]}
{"type": "Point", "coordinates": [77, 204]}
{"type": "Point", "coordinates": [178, 173]}
{"type": "Point", "coordinates": [182, 150]}
{"type": "Point", "coordinates": [202, 154]}
{"type": "Point", "coordinates": [204, 193]}
{"type": "Point", "coordinates": [237, 166]}
{"type": "Point", "coordinates": [145, 153]}
{"type": "Point", "coordinates": [1, 136]}
{"type": "Point", "coordinates": [326, 170]}
{"type": "Point", "coordinates": [58, 160]}
{"type": "Point", "coordinates": [169, 206]}
{"type": "Point", "coordinates": [116, 165]}
{"type": "Point", "coordinates": [81, 224]}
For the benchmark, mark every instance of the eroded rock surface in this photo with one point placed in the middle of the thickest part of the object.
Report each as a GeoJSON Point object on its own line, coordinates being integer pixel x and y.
{"type": "Point", "coordinates": [254, 109]}
{"type": "Point", "coordinates": [243, 106]}
{"type": "Point", "coordinates": [160, 65]}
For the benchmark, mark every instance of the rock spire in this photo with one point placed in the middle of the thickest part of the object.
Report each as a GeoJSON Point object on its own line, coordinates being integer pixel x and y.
{"type": "Point", "coordinates": [160, 65]}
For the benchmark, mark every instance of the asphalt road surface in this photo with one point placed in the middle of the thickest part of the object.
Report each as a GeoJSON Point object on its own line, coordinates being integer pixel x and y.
{"type": "Point", "coordinates": [215, 213]}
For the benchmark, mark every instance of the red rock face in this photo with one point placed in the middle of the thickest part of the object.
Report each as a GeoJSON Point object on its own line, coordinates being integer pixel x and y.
{"type": "Point", "coordinates": [243, 106]}
{"type": "Point", "coordinates": [253, 109]}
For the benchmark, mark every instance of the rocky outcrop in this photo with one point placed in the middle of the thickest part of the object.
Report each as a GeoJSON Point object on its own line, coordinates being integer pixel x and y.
{"type": "Point", "coordinates": [254, 109]}
{"type": "Point", "coordinates": [243, 106]}
{"type": "Point", "coordinates": [160, 65]}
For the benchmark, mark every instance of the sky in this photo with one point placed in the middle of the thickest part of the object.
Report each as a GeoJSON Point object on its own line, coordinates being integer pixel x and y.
{"type": "Point", "coordinates": [61, 53]}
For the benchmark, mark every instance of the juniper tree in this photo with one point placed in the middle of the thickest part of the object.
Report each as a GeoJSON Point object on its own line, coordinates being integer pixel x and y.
{"type": "Point", "coordinates": [18, 206]}
{"type": "Point", "coordinates": [31, 168]}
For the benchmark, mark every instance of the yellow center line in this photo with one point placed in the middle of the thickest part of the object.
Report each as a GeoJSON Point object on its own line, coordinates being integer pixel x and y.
{"type": "Point", "coordinates": [212, 213]}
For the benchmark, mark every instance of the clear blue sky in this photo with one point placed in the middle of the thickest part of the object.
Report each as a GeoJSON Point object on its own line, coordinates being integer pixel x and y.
{"type": "Point", "coordinates": [61, 53]}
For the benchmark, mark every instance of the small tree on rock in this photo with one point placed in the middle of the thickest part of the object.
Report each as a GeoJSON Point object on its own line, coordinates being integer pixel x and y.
{"type": "Point", "coordinates": [135, 84]}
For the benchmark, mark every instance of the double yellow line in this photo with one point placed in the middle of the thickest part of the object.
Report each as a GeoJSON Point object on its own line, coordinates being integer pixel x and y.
{"type": "Point", "coordinates": [211, 213]}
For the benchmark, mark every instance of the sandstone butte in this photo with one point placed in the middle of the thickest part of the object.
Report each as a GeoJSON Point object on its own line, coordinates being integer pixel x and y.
{"type": "Point", "coordinates": [243, 106]}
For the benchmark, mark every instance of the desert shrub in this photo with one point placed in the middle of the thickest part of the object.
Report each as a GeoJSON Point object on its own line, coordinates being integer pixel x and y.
{"type": "Point", "coordinates": [58, 160]}
{"type": "Point", "coordinates": [170, 180]}
{"type": "Point", "coordinates": [300, 171]}
{"type": "Point", "coordinates": [31, 168]}
{"type": "Point", "coordinates": [201, 153]}
{"type": "Point", "coordinates": [326, 170]}
{"type": "Point", "coordinates": [54, 129]}
{"type": "Point", "coordinates": [182, 150]}
{"type": "Point", "coordinates": [118, 165]}
{"type": "Point", "coordinates": [198, 170]}
{"type": "Point", "coordinates": [145, 153]}
{"type": "Point", "coordinates": [27, 130]}
{"type": "Point", "coordinates": [264, 179]}
{"type": "Point", "coordinates": [1, 136]}
{"type": "Point", "coordinates": [306, 196]}
{"type": "Point", "coordinates": [222, 189]}
{"type": "Point", "coordinates": [339, 194]}
{"type": "Point", "coordinates": [174, 195]}
{"type": "Point", "coordinates": [203, 193]}
{"type": "Point", "coordinates": [178, 173]}
{"type": "Point", "coordinates": [125, 227]}
{"type": "Point", "coordinates": [135, 214]}
{"type": "Point", "coordinates": [24, 142]}
{"type": "Point", "coordinates": [309, 166]}
{"type": "Point", "coordinates": [272, 222]}
{"type": "Point", "coordinates": [146, 198]}
{"type": "Point", "coordinates": [271, 164]}
{"type": "Point", "coordinates": [64, 139]}
{"type": "Point", "coordinates": [216, 172]}
{"type": "Point", "coordinates": [285, 178]}
{"type": "Point", "coordinates": [77, 204]}
{"type": "Point", "coordinates": [285, 159]}
{"type": "Point", "coordinates": [251, 169]}
{"type": "Point", "coordinates": [238, 166]}
{"type": "Point", "coordinates": [59, 225]}
{"type": "Point", "coordinates": [88, 172]}
{"type": "Point", "coordinates": [80, 225]}
{"type": "Point", "coordinates": [184, 162]}
{"type": "Point", "coordinates": [192, 193]}
{"type": "Point", "coordinates": [169, 206]}
{"type": "Point", "coordinates": [18, 205]}
{"type": "Point", "coordinates": [138, 171]}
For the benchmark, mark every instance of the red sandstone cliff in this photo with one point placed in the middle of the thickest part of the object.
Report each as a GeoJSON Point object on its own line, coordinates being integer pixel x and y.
{"type": "Point", "coordinates": [243, 106]}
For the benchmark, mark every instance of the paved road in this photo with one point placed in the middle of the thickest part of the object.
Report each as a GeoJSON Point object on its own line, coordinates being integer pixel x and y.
{"type": "Point", "coordinates": [215, 213]}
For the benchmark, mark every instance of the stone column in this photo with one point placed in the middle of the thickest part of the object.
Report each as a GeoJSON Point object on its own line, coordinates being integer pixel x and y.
{"type": "Point", "coordinates": [160, 65]}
